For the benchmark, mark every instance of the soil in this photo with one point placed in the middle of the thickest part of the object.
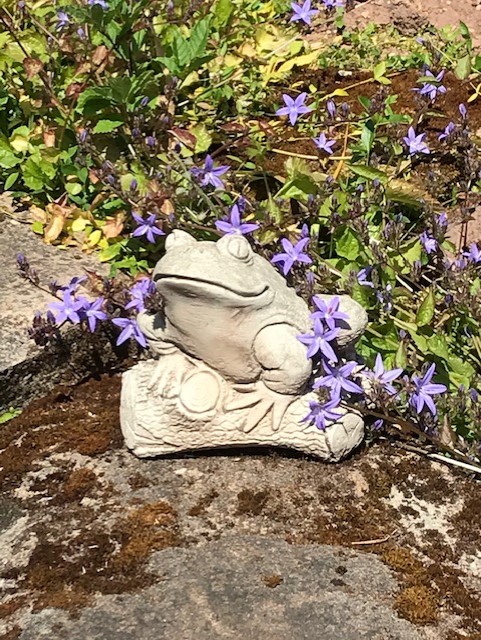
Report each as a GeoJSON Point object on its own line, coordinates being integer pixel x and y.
{"type": "Point", "coordinates": [91, 514]}
{"type": "Point", "coordinates": [432, 177]}
{"type": "Point", "coordinates": [408, 16]}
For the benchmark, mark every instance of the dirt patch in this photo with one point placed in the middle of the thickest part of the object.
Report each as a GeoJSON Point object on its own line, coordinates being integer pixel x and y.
{"type": "Point", "coordinates": [66, 571]}
{"type": "Point", "coordinates": [272, 581]}
{"type": "Point", "coordinates": [84, 419]}
{"type": "Point", "coordinates": [408, 16]}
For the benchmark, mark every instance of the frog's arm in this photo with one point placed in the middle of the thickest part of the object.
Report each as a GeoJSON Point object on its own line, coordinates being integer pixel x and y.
{"type": "Point", "coordinates": [285, 366]}
{"type": "Point", "coordinates": [153, 327]}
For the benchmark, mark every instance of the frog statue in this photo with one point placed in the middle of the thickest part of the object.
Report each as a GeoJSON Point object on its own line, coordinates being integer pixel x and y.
{"type": "Point", "coordinates": [229, 368]}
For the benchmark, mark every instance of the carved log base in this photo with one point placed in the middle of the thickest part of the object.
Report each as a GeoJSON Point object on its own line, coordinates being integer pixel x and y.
{"type": "Point", "coordinates": [177, 404]}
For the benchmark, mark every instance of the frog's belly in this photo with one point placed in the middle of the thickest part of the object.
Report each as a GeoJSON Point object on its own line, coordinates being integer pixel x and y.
{"type": "Point", "coordinates": [233, 361]}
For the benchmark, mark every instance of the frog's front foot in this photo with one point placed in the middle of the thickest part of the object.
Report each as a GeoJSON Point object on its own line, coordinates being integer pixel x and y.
{"type": "Point", "coordinates": [259, 401]}
{"type": "Point", "coordinates": [169, 373]}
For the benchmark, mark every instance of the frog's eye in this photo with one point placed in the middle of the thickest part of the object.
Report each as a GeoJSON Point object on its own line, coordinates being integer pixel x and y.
{"type": "Point", "coordinates": [235, 246]}
{"type": "Point", "coordinates": [178, 238]}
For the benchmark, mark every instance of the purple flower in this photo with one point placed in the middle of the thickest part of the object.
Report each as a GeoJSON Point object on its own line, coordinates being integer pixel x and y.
{"type": "Point", "coordinates": [66, 309]}
{"type": "Point", "coordinates": [385, 298]}
{"type": "Point", "coordinates": [74, 284]}
{"type": "Point", "coordinates": [210, 175]}
{"type": "Point", "coordinates": [63, 20]}
{"type": "Point", "coordinates": [463, 111]}
{"type": "Point", "coordinates": [442, 220]}
{"type": "Point", "coordinates": [147, 228]}
{"type": "Point", "coordinates": [292, 253]}
{"type": "Point", "coordinates": [415, 143]}
{"type": "Point", "coordinates": [93, 312]}
{"type": "Point", "coordinates": [330, 4]}
{"type": "Point", "coordinates": [429, 243]}
{"type": "Point", "coordinates": [382, 377]}
{"type": "Point", "coordinates": [81, 33]}
{"type": "Point", "coordinates": [321, 414]}
{"type": "Point", "coordinates": [305, 231]}
{"type": "Point", "coordinates": [318, 341]}
{"type": "Point", "coordinates": [474, 254]}
{"type": "Point", "coordinates": [337, 379]}
{"type": "Point", "coordinates": [363, 275]}
{"type": "Point", "coordinates": [293, 108]}
{"type": "Point", "coordinates": [141, 289]}
{"type": "Point", "coordinates": [331, 107]}
{"type": "Point", "coordinates": [323, 144]}
{"type": "Point", "coordinates": [424, 390]}
{"type": "Point", "coordinates": [130, 329]}
{"type": "Point", "coordinates": [448, 130]}
{"type": "Point", "coordinates": [102, 4]}
{"type": "Point", "coordinates": [432, 90]}
{"type": "Point", "coordinates": [328, 311]}
{"type": "Point", "coordinates": [303, 12]}
{"type": "Point", "coordinates": [151, 141]}
{"type": "Point", "coordinates": [234, 224]}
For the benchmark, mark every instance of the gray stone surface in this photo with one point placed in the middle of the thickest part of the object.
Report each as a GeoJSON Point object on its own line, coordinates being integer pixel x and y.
{"type": "Point", "coordinates": [218, 591]}
{"type": "Point", "coordinates": [26, 370]}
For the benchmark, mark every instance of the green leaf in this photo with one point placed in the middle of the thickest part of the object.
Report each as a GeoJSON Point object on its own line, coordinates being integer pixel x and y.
{"type": "Point", "coordinates": [10, 181]}
{"type": "Point", "coordinates": [368, 172]}
{"type": "Point", "coordinates": [298, 187]}
{"type": "Point", "coordinates": [426, 310]}
{"type": "Point", "coordinates": [463, 67]}
{"type": "Point", "coordinates": [367, 135]}
{"type": "Point", "coordinates": [182, 50]}
{"type": "Point", "coordinates": [401, 357]}
{"type": "Point", "coordinates": [223, 11]}
{"type": "Point", "coordinates": [198, 38]}
{"type": "Point", "coordinates": [37, 227]}
{"type": "Point", "coordinates": [106, 126]}
{"type": "Point", "coordinates": [348, 245]}
{"type": "Point", "coordinates": [111, 252]}
{"type": "Point", "coordinates": [203, 138]}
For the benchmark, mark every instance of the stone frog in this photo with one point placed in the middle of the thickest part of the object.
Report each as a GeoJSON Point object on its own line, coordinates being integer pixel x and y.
{"type": "Point", "coordinates": [227, 306]}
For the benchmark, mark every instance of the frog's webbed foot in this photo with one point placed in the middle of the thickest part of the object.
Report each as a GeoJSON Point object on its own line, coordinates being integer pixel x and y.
{"type": "Point", "coordinates": [259, 400]}
{"type": "Point", "coordinates": [170, 371]}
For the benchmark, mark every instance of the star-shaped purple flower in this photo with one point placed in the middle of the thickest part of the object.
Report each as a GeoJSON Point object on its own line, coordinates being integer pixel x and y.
{"type": "Point", "coordinates": [415, 143]}
{"type": "Point", "coordinates": [448, 130]}
{"type": "Point", "coordinates": [235, 225]}
{"type": "Point", "coordinates": [321, 414]}
{"type": "Point", "coordinates": [138, 292]}
{"type": "Point", "coordinates": [430, 89]}
{"type": "Point", "coordinates": [328, 311]}
{"type": "Point", "coordinates": [292, 253]}
{"type": "Point", "coordinates": [93, 311]}
{"type": "Point", "coordinates": [130, 329]}
{"type": "Point", "coordinates": [66, 309]}
{"type": "Point", "coordinates": [429, 243]}
{"type": "Point", "coordinates": [63, 20]}
{"type": "Point", "coordinates": [424, 389]}
{"type": "Point", "coordinates": [303, 12]}
{"type": "Point", "coordinates": [318, 341]}
{"type": "Point", "coordinates": [474, 253]}
{"type": "Point", "coordinates": [363, 275]}
{"type": "Point", "coordinates": [101, 3]}
{"type": "Point", "coordinates": [382, 377]}
{"type": "Point", "coordinates": [294, 108]}
{"type": "Point", "coordinates": [147, 228]}
{"type": "Point", "coordinates": [209, 174]}
{"type": "Point", "coordinates": [323, 144]}
{"type": "Point", "coordinates": [331, 4]}
{"type": "Point", "coordinates": [338, 379]}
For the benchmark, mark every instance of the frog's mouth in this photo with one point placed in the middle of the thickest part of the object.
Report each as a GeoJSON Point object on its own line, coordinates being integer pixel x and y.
{"type": "Point", "coordinates": [200, 287]}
